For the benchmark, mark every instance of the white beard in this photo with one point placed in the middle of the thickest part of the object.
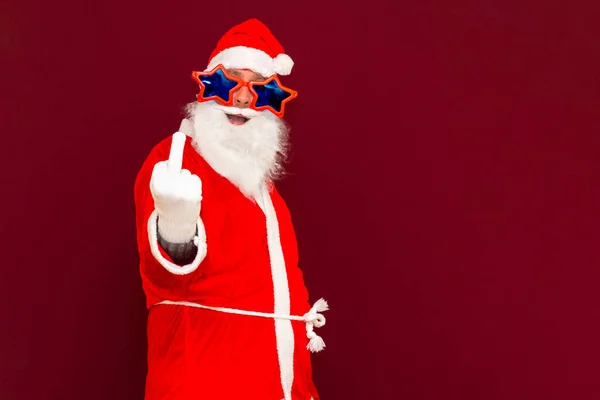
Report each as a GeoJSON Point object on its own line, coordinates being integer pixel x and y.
{"type": "Point", "coordinates": [247, 155]}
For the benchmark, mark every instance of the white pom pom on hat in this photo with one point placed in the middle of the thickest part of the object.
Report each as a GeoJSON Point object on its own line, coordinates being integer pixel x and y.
{"type": "Point", "coordinates": [282, 64]}
{"type": "Point", "coordinates": [251, 45]}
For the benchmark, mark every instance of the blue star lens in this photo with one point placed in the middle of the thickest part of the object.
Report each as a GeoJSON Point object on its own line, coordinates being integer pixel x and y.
{"type": "Point", "coordinates": [218, 85]}
{"type": "Point", "coordinates": [270, 95]}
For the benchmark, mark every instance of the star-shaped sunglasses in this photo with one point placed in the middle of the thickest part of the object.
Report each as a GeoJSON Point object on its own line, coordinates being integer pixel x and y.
{"type": "Point", "coordinates": [218, 85]}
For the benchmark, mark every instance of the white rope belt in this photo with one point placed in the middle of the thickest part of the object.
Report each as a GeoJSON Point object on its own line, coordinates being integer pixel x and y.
{"type": "Point", "coordinates": [313, 318]}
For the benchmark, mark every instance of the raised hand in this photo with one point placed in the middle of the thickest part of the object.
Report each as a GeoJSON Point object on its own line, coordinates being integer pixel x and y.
{"type": "Point", "coordinates": [177, 195]}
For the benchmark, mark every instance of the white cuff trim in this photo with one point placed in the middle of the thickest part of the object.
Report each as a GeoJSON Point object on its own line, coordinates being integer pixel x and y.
{"type": "Point", "coordinates": [199, 241]}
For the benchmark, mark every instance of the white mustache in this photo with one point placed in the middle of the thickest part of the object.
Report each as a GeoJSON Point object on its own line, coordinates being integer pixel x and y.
{"type": "Point", "coordinates": [246, 112]}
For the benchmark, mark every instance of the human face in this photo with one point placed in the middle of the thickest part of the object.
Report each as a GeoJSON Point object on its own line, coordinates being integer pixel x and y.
{"type": "Point", "coordinates": [242, 98]}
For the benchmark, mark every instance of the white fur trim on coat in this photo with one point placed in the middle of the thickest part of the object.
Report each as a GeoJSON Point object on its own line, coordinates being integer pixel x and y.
{"type": "Point", "coordinates": [284, 332]}
{"type": "Point", "coordinates": [243, 57]}
{"type": "Point", "coordinates": [199, 241]}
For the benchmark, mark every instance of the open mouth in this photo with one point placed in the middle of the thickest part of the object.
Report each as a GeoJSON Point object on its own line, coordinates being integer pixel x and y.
{"type": "Point", "coordinates": [237, 119]}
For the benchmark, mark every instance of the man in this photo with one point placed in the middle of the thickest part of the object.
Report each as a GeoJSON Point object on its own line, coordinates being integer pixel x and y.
{"type": "Point", "coordinates": [229, 314]}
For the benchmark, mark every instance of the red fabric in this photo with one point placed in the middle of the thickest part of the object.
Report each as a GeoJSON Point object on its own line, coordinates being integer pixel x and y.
{"type": "Point", "coordinates": [251, 33]}
{"type": "Point", "coordinates": [202, 354]}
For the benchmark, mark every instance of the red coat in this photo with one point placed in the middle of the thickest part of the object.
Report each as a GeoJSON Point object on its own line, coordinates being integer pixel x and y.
{"type": "Point", "coordinates": [203, 354]}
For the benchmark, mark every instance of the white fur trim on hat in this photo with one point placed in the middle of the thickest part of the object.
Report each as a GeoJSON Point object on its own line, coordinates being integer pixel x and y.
{"type": "Point", "coordinates": [256, 60]}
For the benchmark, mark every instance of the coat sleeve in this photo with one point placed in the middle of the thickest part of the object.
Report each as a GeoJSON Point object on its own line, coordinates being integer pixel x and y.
{"type": "Point", "coordinates": [154, 259]}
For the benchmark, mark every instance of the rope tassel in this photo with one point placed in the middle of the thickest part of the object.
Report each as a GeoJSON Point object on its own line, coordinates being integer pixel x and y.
{"type": "Point", "coordinates": [313, 320]}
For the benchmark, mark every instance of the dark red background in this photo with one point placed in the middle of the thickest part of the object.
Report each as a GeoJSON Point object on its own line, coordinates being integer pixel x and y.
{"type": "Point", "coordinates": [444, 183]}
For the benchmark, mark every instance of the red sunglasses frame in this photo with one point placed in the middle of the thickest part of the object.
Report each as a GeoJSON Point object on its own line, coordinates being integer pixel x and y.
{"type": "Point", "coordinates": [240, 83]}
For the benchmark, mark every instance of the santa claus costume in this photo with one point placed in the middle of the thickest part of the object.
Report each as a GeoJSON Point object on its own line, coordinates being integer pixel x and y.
{"type": "Point", "coordinates": [233, 321]}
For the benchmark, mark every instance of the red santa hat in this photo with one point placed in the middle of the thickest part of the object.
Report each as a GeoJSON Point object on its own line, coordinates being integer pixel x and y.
{"type": "Point", "coordinates": [251, 45]}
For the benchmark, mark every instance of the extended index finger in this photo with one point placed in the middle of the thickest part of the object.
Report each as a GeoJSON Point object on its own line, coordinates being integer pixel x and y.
{"type": "Point", "coordinates": [176, 153]}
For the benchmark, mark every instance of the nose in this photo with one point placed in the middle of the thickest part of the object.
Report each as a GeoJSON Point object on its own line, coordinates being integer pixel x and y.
{"type": "Point", "coordinates": [242, 97]}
